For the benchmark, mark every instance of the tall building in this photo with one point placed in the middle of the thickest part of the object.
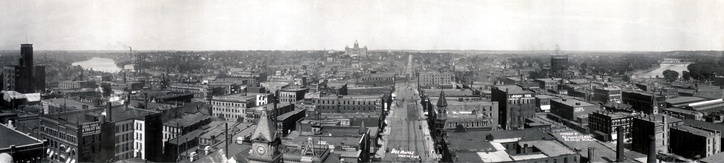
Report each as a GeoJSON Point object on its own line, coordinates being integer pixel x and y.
{"type": "Point", "coordinates": [99, 135]}
{"type": "Point", "coordinates": [559, 65]}
{"type": "Point", "coordinates": [648, 103]}
{"type": "Point", "coordinates": [695, 142]}
{"type": "Point", "coordinates": [355, 51]}
{"type": "Point", "coordinates": [515, 105]}
{"type": "Point", "coordinates": [603, 124]}
{"type": "Point", "coordinates": [656, 125]}
{"type": "Point", "coordinates": [24, 77]}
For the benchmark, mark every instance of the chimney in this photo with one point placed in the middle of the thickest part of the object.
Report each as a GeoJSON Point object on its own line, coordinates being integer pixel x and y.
{"type": "Point", "coordinates": [666, 132]}
{"type": "Point", "coordinates": [128, 97]}
{"type": "Point", "coordinates": [109, 112]}
{"type": "Point", "coordinates": [226, 139]}
{"type": "Point", "coordinates": [591, 154]}
{"type": "Point", "coordinates": [651, 157]}
{"type": "Point", "coordinates": [619, 144]}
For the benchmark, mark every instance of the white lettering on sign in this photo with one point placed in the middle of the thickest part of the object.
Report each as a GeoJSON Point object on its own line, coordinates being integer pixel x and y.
{"type": "Point", "coordinates": [520, 96]}
{"type": "Point", "coordinates": [578, 110]}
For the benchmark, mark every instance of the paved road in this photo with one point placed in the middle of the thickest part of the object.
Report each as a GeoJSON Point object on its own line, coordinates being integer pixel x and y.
{"type": "Point", "coordinates": [406, 140]}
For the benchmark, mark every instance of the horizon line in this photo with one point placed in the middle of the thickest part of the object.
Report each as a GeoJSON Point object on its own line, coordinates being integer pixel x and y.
{"type": "Point", "coordinates": [382, 50]}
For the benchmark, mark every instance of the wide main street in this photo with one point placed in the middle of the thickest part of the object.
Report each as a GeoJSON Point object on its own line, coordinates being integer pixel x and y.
{"type": "Point", "coordinates": [408, 136]}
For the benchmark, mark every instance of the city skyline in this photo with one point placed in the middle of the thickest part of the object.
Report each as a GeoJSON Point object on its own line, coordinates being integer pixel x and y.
{"type": "Point", "coordinates": [400, 25]}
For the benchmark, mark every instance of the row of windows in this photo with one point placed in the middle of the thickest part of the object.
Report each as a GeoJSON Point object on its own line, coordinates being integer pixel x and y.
{"type": "Point", "coordinates": [234, 104]}
{"type": "Point", "coordinates": [349, 108]}
{"type": "Point", "coordinates": [57, 146]}
{"type": "Point", "coordinates": [521, 101]}
{"type": "Point", "coordinates": [371, 78]}
{"type": "Point", "coordinates": [125, 137]}
{"type": "Point", "coordinates": [348, 102]}
{"type": "Point", "coordinates": [232, 110]}
{"type": "Point", "coordinates": [59, 135]}
{"type": "Point", "coordinates": [228, 116]}
{"type": "Point", "coordinates": [469, 124]}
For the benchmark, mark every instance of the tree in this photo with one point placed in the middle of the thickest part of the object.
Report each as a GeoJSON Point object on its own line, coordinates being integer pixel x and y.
{"type": "Point", "coordinates": [670, 75]}
{"type": "Point", "coordinates": [686, 75]}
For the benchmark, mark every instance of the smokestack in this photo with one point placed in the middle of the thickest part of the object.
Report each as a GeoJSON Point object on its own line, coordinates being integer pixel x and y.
{"type": "Point", "coordinates": [591, 154]}
{"type": "Point", "coordinates": [109, 112]}
{"type": "Point", "coordinates": [619, 144]}
{"type": "Point", "coordinates": [665, 134]}
{"type": "Point", "coordinates": [651, 157]}
{"type": "Point", "coordinates": [128, 98]}
{"type": "Point", "coordinates": [226, 138]}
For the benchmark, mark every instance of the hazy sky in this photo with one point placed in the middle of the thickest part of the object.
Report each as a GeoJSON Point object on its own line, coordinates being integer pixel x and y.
{"type": "Point", "coordinates": [300, 25]}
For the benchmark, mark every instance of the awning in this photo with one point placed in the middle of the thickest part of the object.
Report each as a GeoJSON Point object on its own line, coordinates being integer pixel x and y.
{"type": "Point", "coordinates": [67, 160]}
{"type": "Point", "coordinates": [51, 153]}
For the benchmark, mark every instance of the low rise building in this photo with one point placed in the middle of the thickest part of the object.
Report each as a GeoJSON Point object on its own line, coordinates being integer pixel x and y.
{"type": "Point", "coordinates": [527, 145]}
{"type": "Point", "coordinates": [183, 125]}
{"type": "Point", "coordinates": [291, 95]}
{"type": "Point", "coordinates": [471, 115]}
{"type": "Point", "coordinates": [606, 94]}
{"type": "Point", "coordinates": [369, 90]}
{"type": "Point", "coordinates": [435, 79]}
{"type": "Point", "coordinates": [231, 107]}
{"type": "Point", "coordinates": [348, 104]}
{"type": "Point", "coordinates": [572, 109]}
{"type": "Point", "coordinates": [378, 79]}
{"type": "Point", "coordinates": [21, 147]}
{"type": "Point", "coordinates": [197, 90]}
{"type": "Point", "coordinates": [76, 84]}
{"type": "Point", "coordinates": [544, 102]}
{"type": "Point", "coordinates": [548, 83]}
{"type": "Point", "coordinates": [339, 88]}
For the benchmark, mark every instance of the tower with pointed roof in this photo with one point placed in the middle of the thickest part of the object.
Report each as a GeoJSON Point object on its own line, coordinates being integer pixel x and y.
{"type": "Point", "coordinates": [265, 141]}
{"type": "Point", "coordinates": [441, 115]}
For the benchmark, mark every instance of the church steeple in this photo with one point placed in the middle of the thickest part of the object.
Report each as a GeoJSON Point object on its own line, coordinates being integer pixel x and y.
{"type": "Point", "coordinates": [442, 102]}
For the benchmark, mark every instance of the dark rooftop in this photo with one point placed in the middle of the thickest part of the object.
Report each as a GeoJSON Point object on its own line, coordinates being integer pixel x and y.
{"type": "Point", "coordinates": [14, 137]}
{"type": "Point", "coordinates": [186, 120]}
{"type": "Point", "coordinates": [513, 89]}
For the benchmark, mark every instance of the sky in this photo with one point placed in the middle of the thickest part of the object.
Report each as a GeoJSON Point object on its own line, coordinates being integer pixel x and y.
{"type": "Point", "coordinates": [574, 25]}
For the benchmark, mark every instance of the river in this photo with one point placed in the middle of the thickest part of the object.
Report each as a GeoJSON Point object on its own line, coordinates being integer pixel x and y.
{"type": "Point", "coordinates": [678, 67]}
{"type": "Point", "coordinates": [99, 64]}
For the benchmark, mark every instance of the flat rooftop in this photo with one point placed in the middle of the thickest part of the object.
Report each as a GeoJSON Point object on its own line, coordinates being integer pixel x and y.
{"type": "Point", "coordinates": [186, 120]}
{"type": "Point", "coordinates": [572, 102]}
{"type": "Point", "coordinates": [15, 137]}
{"type": "Point", "coordinates": [550, 148]}
{"type": "Point", "coordinates": [693, 130]}
{"type": "Point", "coordinates": [615, 115]}
{"type": "Point", "coordinates": [234, 98]}
{"type": "Point", "coordinates": [684, 99]}
{"type": "Point", "coordinates": [513, 89]}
